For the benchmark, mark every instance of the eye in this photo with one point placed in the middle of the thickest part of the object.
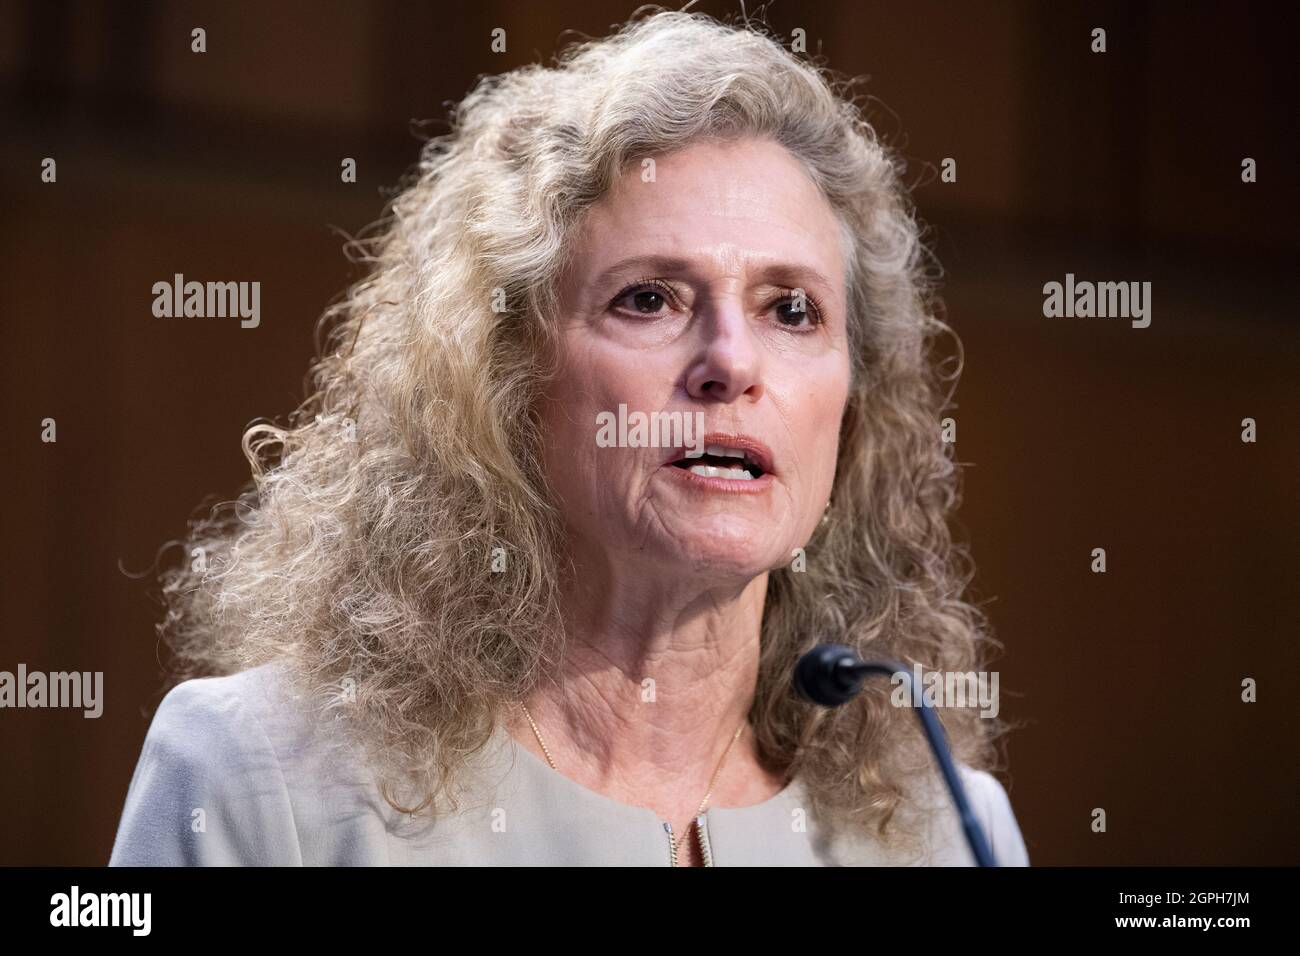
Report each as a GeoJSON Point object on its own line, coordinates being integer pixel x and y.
{"type": "Point", "coordinates": [645, 297]}
{"type": "Point", "coordinates": [796, 308]}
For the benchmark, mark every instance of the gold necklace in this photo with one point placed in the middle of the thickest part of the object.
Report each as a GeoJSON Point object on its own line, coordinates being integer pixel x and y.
{"type": "Point", "coordinates": [677, 843]}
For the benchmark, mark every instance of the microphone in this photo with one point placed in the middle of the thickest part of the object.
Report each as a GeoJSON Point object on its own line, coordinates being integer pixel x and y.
{"type": "Point", "coordinates": [832, 674]}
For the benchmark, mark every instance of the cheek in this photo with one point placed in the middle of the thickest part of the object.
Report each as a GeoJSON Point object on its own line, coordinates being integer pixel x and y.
{"type": "Point", "coordinates": [826, 416]}
{"type": "Point", "coordinates": [606, 376]}
{"type": "Point", "coordinates": [562, 426]}
{"type": "Point", "coordinates": [587, 386]}
{"type": "Point", "coordinates": [572, 397]}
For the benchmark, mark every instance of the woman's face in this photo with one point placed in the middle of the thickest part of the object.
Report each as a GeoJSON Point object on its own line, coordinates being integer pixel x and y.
{"type": "Point", "coordinates": [683, 304]}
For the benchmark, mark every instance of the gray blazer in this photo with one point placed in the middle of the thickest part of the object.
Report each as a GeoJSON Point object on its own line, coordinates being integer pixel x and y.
{"type": "Point", "coordinates": [234, 773]}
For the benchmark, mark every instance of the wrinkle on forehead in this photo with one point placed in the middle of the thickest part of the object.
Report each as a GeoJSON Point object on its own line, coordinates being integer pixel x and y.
{"type": "Point", "coordinates": [781, 213]}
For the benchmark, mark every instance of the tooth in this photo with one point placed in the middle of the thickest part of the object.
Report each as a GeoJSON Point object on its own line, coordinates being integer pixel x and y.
{"type": "Point", "coordinates": [716, 450]}
{"type": "Point", "coordinates": [709, 471]}
{"type": "Point", "coordinates": [735, 452]}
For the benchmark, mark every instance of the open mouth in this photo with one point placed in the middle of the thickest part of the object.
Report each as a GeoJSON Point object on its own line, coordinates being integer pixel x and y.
{"type": "Point", "coordinates": [719, 461]}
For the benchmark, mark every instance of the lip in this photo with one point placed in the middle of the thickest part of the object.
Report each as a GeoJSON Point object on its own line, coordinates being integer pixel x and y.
{"type": "Point", "coordinates": [757, 451]}
{"type": "Point", "coordinates": [730, 486]}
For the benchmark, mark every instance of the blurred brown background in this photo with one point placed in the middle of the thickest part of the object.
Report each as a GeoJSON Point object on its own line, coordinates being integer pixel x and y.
{"type": "Point", "coordinates": [1079, 433]}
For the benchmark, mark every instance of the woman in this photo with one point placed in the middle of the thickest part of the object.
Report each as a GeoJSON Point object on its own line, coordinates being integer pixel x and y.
{"type": "Point", "coordinates": [456, 624]}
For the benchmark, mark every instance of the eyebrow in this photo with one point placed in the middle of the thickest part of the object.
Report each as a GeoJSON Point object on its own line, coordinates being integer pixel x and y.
{"type": "Point", "coordinates": [777, 273]}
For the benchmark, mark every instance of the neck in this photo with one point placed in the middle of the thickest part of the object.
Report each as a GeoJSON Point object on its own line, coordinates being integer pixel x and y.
{"type": "Point", "coordinates": [652, 687]}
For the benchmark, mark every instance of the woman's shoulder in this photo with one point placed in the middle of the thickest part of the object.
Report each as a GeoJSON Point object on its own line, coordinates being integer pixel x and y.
{"type": "Point", "coordinates": [228, 774]}
{"type": "Point", "coordinates": [992, 807]}
{"type": "Point", "coordinates": [216, 702]}
{"type": "Point", "coordinates": [942, 840]}
{"type": "Point", "coordinates": [233, 723]}
{"type": "Point", "coordinates": [206, 763]}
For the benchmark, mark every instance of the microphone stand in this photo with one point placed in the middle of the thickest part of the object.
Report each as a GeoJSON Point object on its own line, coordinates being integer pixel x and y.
{"type": "Point", "coordinates": [832, 674]}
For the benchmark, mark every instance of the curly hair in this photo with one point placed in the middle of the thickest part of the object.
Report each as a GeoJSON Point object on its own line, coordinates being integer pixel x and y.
{"type": "Point", "coordinates": [360, 549]}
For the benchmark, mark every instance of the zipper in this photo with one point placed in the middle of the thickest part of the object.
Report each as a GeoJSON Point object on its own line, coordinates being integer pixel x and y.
{"type": "Point", "coordinates": [702, 833]}
{"type": "Point", "coordinates": [701, 841]}
{"type": "Point", "coordinates": [672, 844]}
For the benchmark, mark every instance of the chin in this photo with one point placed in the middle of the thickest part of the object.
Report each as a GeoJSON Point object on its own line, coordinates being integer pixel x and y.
{"type": "Point", "coordinates": [725, 561]}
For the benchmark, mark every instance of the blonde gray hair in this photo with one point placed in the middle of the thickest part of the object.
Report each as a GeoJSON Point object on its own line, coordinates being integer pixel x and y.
{"type": "Point", "coordinates": [360, 550]}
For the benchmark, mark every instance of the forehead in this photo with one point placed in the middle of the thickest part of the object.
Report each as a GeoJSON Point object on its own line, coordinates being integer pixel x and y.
{"type": "Point", "coordinates": [730, 203]}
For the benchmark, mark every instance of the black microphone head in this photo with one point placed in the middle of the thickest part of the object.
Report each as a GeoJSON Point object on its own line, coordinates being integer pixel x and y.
{"type": "Point", "coordinates": [826, 675]}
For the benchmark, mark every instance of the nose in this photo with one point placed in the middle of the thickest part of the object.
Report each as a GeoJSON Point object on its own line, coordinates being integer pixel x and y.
{"type": "Point", "coordinates": [729, 362]}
